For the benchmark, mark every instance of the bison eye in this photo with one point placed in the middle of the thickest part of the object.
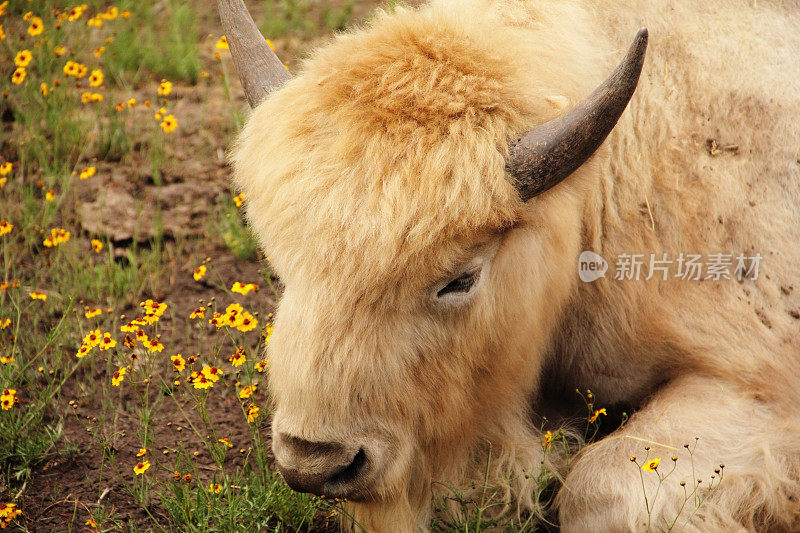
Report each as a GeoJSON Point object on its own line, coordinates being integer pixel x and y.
{"type": "Point", "coordinates": [462, 284]}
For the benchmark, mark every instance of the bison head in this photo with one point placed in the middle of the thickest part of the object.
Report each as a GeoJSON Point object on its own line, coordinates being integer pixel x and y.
{"type": "Point", "coordinates": [392, 191]}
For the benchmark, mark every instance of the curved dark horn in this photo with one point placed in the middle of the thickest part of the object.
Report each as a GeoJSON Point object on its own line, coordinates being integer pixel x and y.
{"type": "Point", "coordinates": [547, 154]}
{"type": "Point", "coordinates": [259, 68]}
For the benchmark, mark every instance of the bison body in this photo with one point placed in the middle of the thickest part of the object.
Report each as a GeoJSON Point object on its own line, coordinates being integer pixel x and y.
{"type": "Point", "coordinates": [430, 314]}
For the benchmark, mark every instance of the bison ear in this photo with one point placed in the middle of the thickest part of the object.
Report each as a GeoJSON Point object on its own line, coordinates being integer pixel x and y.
{"type": "Point", "coordinates": [543, 156]}
{"type": "Point", "coordinates": [259, 68]}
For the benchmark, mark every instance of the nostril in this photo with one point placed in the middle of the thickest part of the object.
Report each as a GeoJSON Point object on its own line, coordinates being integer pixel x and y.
{"type": "Point", "coordinates": [350, 473]}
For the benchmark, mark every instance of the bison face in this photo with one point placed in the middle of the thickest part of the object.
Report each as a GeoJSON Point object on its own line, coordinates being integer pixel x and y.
{"type": "Point", "coordinates": [364, 383]}
{"type": "Point", "coordinates": [381, 388]}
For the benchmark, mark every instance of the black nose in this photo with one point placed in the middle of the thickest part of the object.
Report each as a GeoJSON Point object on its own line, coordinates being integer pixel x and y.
{"type": "Point", "coordinates": [322, 468]}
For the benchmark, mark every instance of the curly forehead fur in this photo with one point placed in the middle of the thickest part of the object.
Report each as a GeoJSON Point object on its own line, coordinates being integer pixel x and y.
{"type": "Point", "coordinates": [391, 142]}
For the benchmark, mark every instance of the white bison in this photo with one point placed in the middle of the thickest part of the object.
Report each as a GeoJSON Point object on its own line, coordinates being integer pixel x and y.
{"type": "Point", "coordinates": [425, 187]}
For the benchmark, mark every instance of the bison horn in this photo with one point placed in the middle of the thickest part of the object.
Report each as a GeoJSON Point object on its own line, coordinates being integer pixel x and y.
{"type": "Point", "coordinates": [259, 68]}
{"type": "Point", "coordinates": [547, 154]}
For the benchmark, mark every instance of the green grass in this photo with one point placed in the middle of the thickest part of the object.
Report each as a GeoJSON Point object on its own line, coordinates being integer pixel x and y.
{"type": "Point", "coordinates": [304, 18]}
{"type": "Point", "coordinates": [163, 42]}
{"type": "Point", "coordinates": [264, 503]}
{"type": "Point", "coordinates": [233, 231]}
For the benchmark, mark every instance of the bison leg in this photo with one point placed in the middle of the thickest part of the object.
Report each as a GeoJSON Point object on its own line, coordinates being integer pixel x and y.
{"type": "Point", "coordinates": [760, 449]}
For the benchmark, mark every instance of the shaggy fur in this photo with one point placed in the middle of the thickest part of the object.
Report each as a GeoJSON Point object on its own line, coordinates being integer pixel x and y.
{"type": "Point", "coordinates": [378, 173]}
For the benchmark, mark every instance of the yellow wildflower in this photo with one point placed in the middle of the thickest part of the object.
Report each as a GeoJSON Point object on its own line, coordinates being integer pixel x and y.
{"type": "Point", "coordinates": [93, 312]}
{"type": "Point", "coordinates": [5, 168]}
{"type": "Point", "coordinates": [93, 338]}
{"type": "Point", "coordinates": [8, 399]}
{"type": "Point", "coordinates": [119, 376]}
{"type": "Point", "coordinates": [246, 322]}
{"type": "Point", "coordinates": [36, 295]}
{"type": "Point", "coordinates": [651, 465]}
{"type": "Point", "coordinates": [142, 452]}
{"type": "Point", "coordinates": [70, 68]}
{"type": "Point", "coordinates": [129, 342]}
{"type": "Point", "coordinates": [163, 89]}
{"type": "Point", "coordinates": [238, 358]}
{"type": "Point", "coordinates": [141, 468]}
{"type": "Point", "coordinates": [18, 76]}
{"type": "Point", "coordinates": [99, 51]}
{"type": "Point", "coordinates": [238, 200]}
{"type": "Point", "coordinates": [88, 172]}
{"type": "Point", "coordinates": [222, 43]}
{"type": "Point", "coordinates": [200, 381]}
{"type": "Point", "coordinates": [200, 312]}
{"type": "Point", "coordinates": [262, 365]}
{"type": "Point", "coordinates": [96, 79]}
{"type": "Point", "coordinates": [43, 89]}
{"type": "Point", "coordinates": [57, 236]}
{"type": "Point", "coordinates": [169, 124]}
{"type": "Point", "coordinates": [233, 310]}
{"type": "Point", "coordinates": [130, 327]}
{"type": "Point", "coordinates": [252, 413]}
{"type": "Point", "coordinates": [75, 13]}
{"type": "Point", "coordinates": [8, 511]}
{"type": "Point", "coordinates": [548, 440]}
{"type": "Point", "coordinates": [214, 488]}
{"type": "Point", "coordinates": [97, 246]}
{"type": "Point", "coordinates": [178, 363]}
{"type": "Point", "coordinates": [5, 227]}
{"type": "Point", "coordinates": [107, 342]}
{"type": "Point", "coordinates": [36, 27]}
{"type": "Point", "coordinates": [23, 58]}
{"type": "Point", "coordinates": [199, 272]}
{"type": "Point", "coordinates": [244, 288]}
{"type": "Point", "coordinates": [141, 336]}
{"type": "Point", "coordinates": [597, 414]}
{"type": "Point", "coordinates": [95, 22]}
{"type": "Point", "coordinates": [211, 372]}
{"type": "Point", "coordinates": [217, 320]}
{"type": "Point", "coordinates": [151, 307]}
{"type": "Point", "coordinates": [83, 350]}
{"type": "Point", "coordinates": [60, 50]}
{"type": "Point", "coordinates": [247, 391]}
{"type": "Point", "coordinates": [153, 345]}
{"type": "Point", "coordinates": [226, 442]}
